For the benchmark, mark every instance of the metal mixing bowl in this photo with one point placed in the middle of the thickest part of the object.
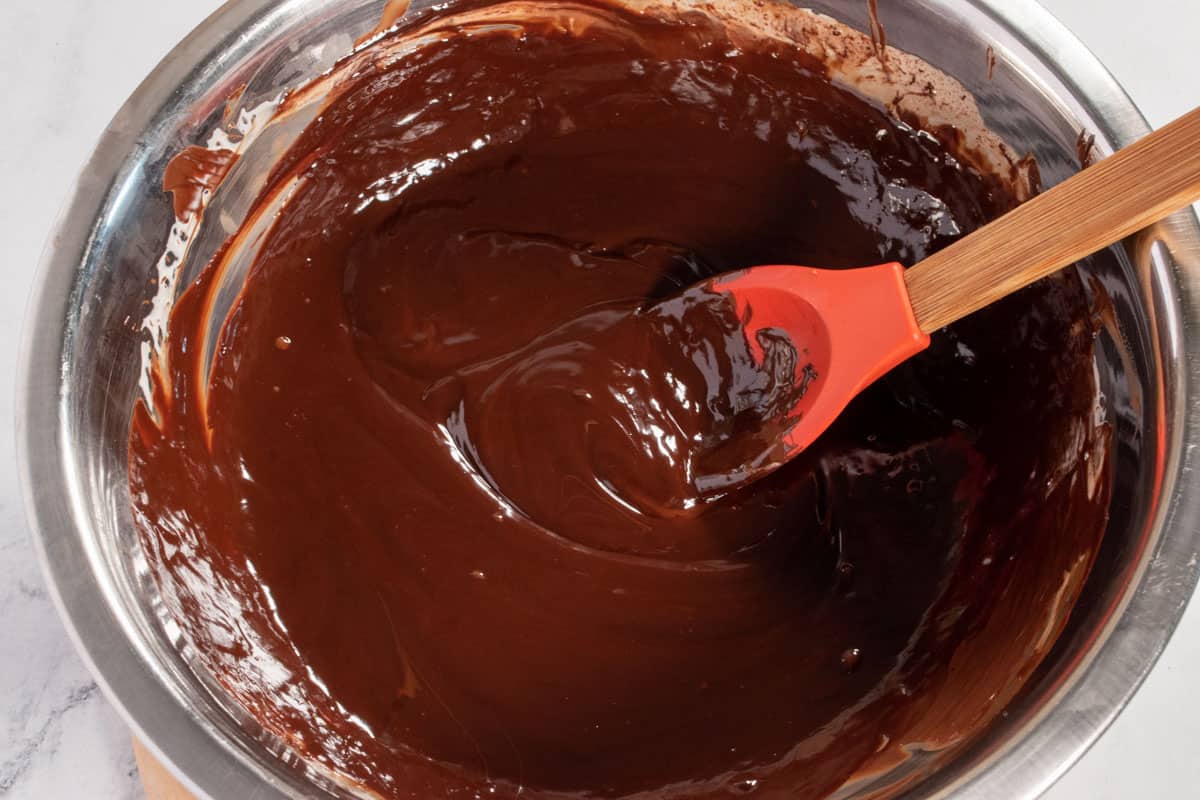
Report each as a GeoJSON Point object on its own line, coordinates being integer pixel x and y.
{"type": "Point", "coordinates": [82, 363]}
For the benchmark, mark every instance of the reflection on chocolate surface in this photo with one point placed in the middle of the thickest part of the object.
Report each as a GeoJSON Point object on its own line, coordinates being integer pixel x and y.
{"type": "Point", "coordinates": [427, 514]}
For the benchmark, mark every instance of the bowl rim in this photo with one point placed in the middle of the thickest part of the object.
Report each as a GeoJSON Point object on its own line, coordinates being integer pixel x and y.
{"type": "Point", "coordinates": [1038, 753]}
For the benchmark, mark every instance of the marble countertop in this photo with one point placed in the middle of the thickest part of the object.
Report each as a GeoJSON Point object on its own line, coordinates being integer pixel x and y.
{"type": "Point", "coordinates": [65, 68]}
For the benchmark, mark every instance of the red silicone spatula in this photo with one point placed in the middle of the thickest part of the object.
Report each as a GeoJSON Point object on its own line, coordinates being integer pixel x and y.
{"type": "Point", "coordinates": [855, 325]}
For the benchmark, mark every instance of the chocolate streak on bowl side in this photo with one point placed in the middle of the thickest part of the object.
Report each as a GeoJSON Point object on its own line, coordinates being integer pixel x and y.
{"type": "Point", "coordinates": [393, 519]}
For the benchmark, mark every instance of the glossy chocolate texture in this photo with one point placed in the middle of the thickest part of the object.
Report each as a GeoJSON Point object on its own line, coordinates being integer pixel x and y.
{"type": "Point", "coordinates": [426, 516]}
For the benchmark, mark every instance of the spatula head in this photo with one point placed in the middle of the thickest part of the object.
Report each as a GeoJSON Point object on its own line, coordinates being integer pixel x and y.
{"type": "Point", "coordinates": [848, 328]}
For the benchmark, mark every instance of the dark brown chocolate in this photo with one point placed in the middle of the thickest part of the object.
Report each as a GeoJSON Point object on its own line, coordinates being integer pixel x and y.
{"type": "Point", "coordinates": [414, 521]}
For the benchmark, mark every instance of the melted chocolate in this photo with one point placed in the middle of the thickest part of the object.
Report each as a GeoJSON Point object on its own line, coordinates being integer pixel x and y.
{"type": "Point", "coordinates": [422, 517]}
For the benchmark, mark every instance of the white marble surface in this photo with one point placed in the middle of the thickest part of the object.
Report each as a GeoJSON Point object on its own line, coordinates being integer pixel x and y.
{"type": "Point", "coordinates": [66, 66]}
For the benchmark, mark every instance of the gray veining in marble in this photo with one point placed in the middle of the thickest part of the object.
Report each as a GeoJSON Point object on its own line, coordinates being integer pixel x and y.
{"type": "Point", "coordinates": [60, 738]}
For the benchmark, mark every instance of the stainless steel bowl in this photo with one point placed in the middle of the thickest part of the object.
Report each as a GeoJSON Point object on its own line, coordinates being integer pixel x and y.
{"type": "Point", "coordinates": [82, 362]}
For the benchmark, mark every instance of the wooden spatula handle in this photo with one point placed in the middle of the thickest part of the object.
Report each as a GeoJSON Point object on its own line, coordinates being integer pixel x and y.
{"type": "Point", "coordinates": [1122, 194]}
